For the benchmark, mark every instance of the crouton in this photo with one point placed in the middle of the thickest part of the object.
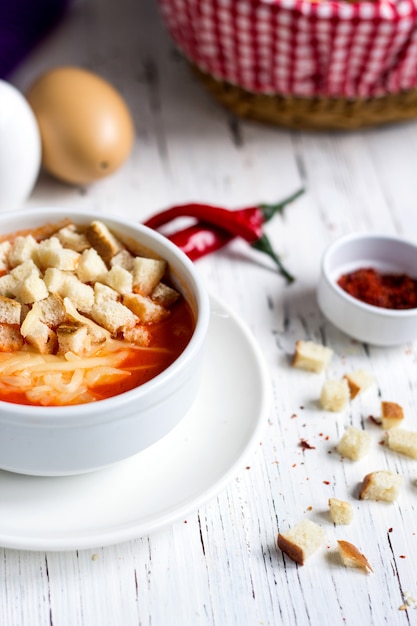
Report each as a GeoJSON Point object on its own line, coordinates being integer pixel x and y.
{"type": "Point", "coordinates": [91, 267]}
{"type": "Point", "coordinates": [8, 286]}
{"type": "Point", "coordinates": [119, 279]}
{"type": "Point", "coordinates": [341, 511]}
{"type": "Point", "coordinates": [73, 337]}
{"type": "Point", "coordinates": [358, 381]}
{"type": "Point", "coordinates": [392, 415]}
{"type": "Point", "coordinates": [97, 333]}
{"type": "Point", "coordinates": [72, 239]}
{"type": "Point", "coordinates": [148, 312]}
{"type": "Point", "coordinates": [25, 269]}
{"type": "Point", "coordinates": [164, 295]}
{"type": "Point", "coordinates": [354, 444]}
{"type": "Point", "coordinates": [123, 259]}
{"type": "Point", "coordinates": [23, 249]}
{"type": "Point", "coordinates": [31, 289]}
{"type": "Point", "coordinates": [10, 311]}
{"type": "Point", "coordinates": [10, 338]}
{"type": "Point", "coordinates": [147, 273]}
{"type": "Point", "coordinates": [100, 237]}
{"type": "Point", "coordinates": [380, 485]}
{"type": "Point", "coordinates": [301, 541]}
{"type": "Point", "coordinates": [114, 316]}
{"type": "Point", "coordinates": [102, 293]}
{"type": "Point", "coordinates": [5, 247]}
{"type": "Point", "coordinates": [52, 254]}
{"type": "Point", "coordinates": [403, 441]}
{"type": "Point", "coordinates": [80, 294]}
{"type": "Point", "coordinates": [311, 356]}
{"type": "Point", "coordinates": [38, 334]}
{"type": "Point", "coordinates": [334, 395]}
{"type": "Point", "coordinates": [352, 557]}
{"type": "Point", "coordinates": [138, 335]}
{"type": "Point", "coordinates": [51, 310]}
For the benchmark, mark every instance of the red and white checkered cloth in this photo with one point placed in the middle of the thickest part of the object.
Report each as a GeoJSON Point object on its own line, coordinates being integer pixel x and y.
{"type": "Point", "coordinates": [297, 47]}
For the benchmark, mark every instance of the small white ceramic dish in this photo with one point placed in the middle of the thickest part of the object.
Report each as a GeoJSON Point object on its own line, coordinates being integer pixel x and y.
{"type": "Point", "coordinates": [63, 440]}
{"type": "Point", "coordinates": [369, 324]}
{"type": "Point", "coordinates": [164, 483]}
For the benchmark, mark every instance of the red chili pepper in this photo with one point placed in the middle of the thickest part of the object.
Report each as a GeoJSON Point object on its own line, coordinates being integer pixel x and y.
{"type": "Point", "coordinates": [217, 226]}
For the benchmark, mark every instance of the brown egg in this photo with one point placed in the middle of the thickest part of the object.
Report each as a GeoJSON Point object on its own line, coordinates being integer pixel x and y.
{"type": "Point", "coordinates": [86, 128]}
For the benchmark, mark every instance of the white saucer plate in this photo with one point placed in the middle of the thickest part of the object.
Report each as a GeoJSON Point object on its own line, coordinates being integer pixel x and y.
{"type": "Point", "coordinates": [167, 481]}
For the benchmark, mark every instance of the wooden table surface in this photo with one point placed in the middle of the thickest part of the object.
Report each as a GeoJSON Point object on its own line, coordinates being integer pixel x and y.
{"type": "Point", "coordinates": [220, 565]}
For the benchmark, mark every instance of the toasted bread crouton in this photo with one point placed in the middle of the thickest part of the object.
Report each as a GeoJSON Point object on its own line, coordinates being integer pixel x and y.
{"type": "Point", "coordinates": [334, 394]}
{"type": "Point", "coordinates": [31, 289]}
{"type": "Point", "coordinates": [102, 293]}
{"type": "Point", "coordinates": [114, 316]}
{"type": "Point", "coordinates": [10, 338]}
{"type": "Point", "coordinates": [123, 259]}
{"type": "Point", "coordinates": [351, 557]}
{"type": "Point", "coordinates": [72, 239]}
{"type": "Point", "coordinates": [138, 335]}
{"type": "Point", "coordinates": [52, 254]}
{"type": "Point", "coordinates": [358, 381]}
{"type": "Point", "coordinates": [147, 273]}
{"type": "Point", "coordinates": [381, 485]}
{"type": "Point", "coordinates": [301, 541]}
{"type": "Point", "coordinates": [8, 286]}
{"type": "Point", "coordinates": [148, 312]}
{"type": "Point", "coordinates": [354, 444]}
{"type": "Point", "coordinates": [91, 267]}
{"type": "Point", "coordinates": [10, 311]}
{"type": "Point", "coordinates": [119, 279]}
{"type": "Point", "coordinates": [97, 333]}
{"type": "Point", "coordinates": [25, 269]}
{"type": "Point", "coordinates": [403, 441]}
{"type": "Point", "coordinates": [164, 295]}
{"type": "Point", "coordinates": [392, 415]}
{"type": "Point", "coordinates": [81, 295]}
{"type": "Point", "coordinates": [341, 511]}
{"type": "Point", "coordinates": [56, 280]}
{"type": "Point", "coordinates": [5, 247]}
{"type": "Point", "coordinates": [73, 337]}
{"type": "Point", "coordinates": [23, 249]}
{"type": "Point", "coordinates": [311, 356]}
{"type": "Point", "coordinates": [100, 237]}
{"type": "Point", "coordinates": [51, 310]}
{"type": "Point", "coordinates": [38, 334]}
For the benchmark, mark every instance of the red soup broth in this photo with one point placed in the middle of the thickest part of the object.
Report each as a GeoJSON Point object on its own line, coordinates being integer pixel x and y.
{"type": "Point", "coordinates": [135, 365]}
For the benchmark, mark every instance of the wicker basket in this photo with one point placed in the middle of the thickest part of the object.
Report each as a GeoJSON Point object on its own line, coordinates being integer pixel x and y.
{"type": "Point", "coordinates": [302, 64]}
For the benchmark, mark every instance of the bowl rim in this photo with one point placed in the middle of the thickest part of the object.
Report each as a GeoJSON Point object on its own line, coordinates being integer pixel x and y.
{"type": "Point", "coordinates": [351, 300]}
{"type": "Point", "coordinates": [50, 414]}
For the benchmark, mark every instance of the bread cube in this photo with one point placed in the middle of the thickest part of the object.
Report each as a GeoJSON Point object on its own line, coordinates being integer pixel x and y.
{"type": "Point", "coordinates": [91, 267]}
{"type": "Point", "coordinates": [31, 289]}
{"type": "Point", "coordinates": [119, 279]}
{"type": "Point", "coordinates": [392, 415]}
{"type": "Point", "coordinates": [311, 356]}
{"type": "Point", "coordinates": [381, 485]}
{"type": "Point", "coordinates": [403, 441]}
{"type": "Point", "coordinates": [10, 311]}
{"type": "Point", "coordinates": [38, 334]}
{"type": "Point", "coordinates": [5, 247]}
{"type": "Point", "coordinates": [352, 557]}
{"type": "Point", "coordinates": [123, 259]}
{"type": "Point", "coordinates": [147, 273]}
{"type": "Point", "coordinates": [72, 239]}
{"type": "Point", "coordinates": [10, 338]}
{"type": "Point", "coordinates": [301, 541]}
{"type": "Point", "coordinates": [139, 335]}
{"type": "Point", "coordinates": [73, 337]}
{"type": "Point", "coordinates": [334, 395]}
{"type": "Point", "coordinates": [102, 293]}
{"type": "Point", "coordinates": [8, 286]}
{"type": "Point", "coordinates": [359, 381]}
{"type": "Point", "coordinates": [164, 295]}
{"type": "Point", "coordinates": [148, 312]}
{"type": "Point", "coordinates": [51, 310]}
{"type": "Point", "coordinates": [354, 444]}
{"type": "Point", "coordinates": [24, 248]}
{"type": "Point", "coordinates": [100, 237]}
{"type": "Point", "coordinates": [113, 316]}
{"type": "Point", "coordinates": [341, 511]}
{"type": "Point", "coordinates": [25, 269]}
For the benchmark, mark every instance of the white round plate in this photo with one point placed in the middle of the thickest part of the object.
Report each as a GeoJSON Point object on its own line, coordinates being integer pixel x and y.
{"type": "Point", "coordinates": [165, 482]}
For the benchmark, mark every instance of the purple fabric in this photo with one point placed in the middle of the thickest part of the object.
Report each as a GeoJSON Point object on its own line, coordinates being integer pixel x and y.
{"type": "Point", "coordinates": [23, 23]}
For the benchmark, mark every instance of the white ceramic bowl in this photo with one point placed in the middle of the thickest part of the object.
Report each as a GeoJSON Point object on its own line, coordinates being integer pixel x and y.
{"type": "Point", "coordinates": [370, 324]}
{"type": "Point", "coordinates": [64, 440]}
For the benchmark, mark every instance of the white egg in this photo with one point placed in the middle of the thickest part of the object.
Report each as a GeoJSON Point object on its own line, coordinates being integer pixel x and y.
{"type": "Point", "coordinates": [20, 148]}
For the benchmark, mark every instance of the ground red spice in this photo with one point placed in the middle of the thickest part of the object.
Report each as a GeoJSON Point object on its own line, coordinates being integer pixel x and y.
{"type": "Point", "coordinates": [389, 291]}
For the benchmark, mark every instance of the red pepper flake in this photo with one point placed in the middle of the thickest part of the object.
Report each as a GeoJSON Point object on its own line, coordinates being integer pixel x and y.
{"type": "Point", "coordinates": [402, 556]}
{"type": "Point", "coordinates": [294, 465]}
{"type": "Point", "coordinates": [375, 420]}
{"type": "Point", "coordinates": [305, 445]}
{"type": "Point", "coordinates": [294, 415]}
{"type": "Point", "coordinates": [326, 482]}
{"type": "Point", "coordinates": [247, 467]}
{"type": "Point", "coordinates": [388, 291]}
{"type": "Point", "coordinates": [390, 530]}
